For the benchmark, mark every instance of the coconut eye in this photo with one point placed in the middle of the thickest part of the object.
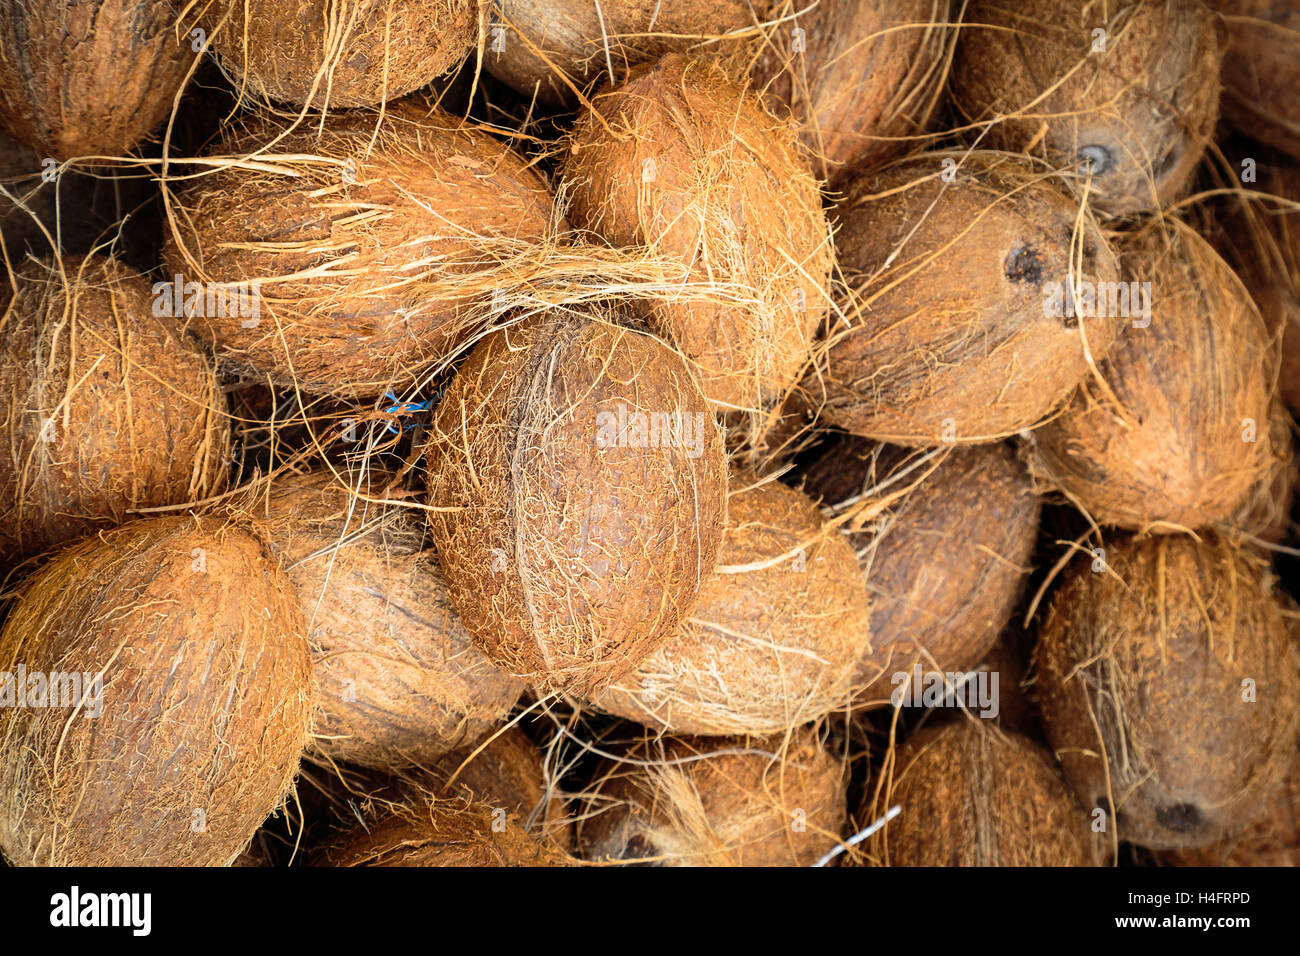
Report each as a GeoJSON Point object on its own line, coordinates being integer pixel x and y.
{"type": "Point", "coordinates": [1094, 160]}
{"type": "Point", "coordinates": [1024, 264]}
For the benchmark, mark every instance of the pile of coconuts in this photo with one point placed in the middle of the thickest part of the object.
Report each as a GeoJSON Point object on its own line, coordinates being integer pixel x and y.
{"type": "Point", "coordinates": [559, 433]}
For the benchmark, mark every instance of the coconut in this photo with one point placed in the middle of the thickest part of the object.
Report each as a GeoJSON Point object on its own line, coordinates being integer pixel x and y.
{"type": "Point", "coordinates": [365, 242]}
{"type": "Point", "coordinates": [1170, 688]}
{"type": "Point", "coordinates": [944, 560]}
{"type": "Point", "coordinates": [959, 329]}
{"type": "Point", "coordinates": [184, 684]}
{"type": "Point", "coordinates": [109, 408]}
{"type": "Point", "coordinates": [552, 48]}
{"type": "Point", "coordinates": [579, 494]}
{"type": "Point", "coordinates": [718, 802]}
{"type": "Point", "coordinates": [399, 681]}
{"type": "Point", "coordinates": [1175, 429]}
{"type": "Point", "coordinates": [88, 77]}
{"type": "Point", "coordinates": [338, 53]}
{"type": "Point", "coordinates": [972, 795]}
{"type": "Point", "coordinates": [776, 636]}
{"type": "Point", "coordinates": [861, 77]}
{"type": "Point", "coordinates": [1261, 70]}
{"type": "Point", "coordinates": [1127, 94]}
{"type": "Point", "coordinates": [684, 161]}
{"type": "Point", "coordinates": [1265, 517]}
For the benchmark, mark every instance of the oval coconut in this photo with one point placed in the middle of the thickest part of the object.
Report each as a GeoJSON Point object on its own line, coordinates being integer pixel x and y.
{"type": "Point", "coordinates": [684, 161]}
{"type": "Point", "coordinates": [1132, 119]}
{"type": "Point", "coordinates": [944, 559]}
{"type": "Point", "coordinates": [550, 48]}
{"type": "Point", "coordinates": [579, 490]}
{"type": "Point", "coordinates": [205, 704]}
{"type": "Point", "coordinates": [108, 407]}
{"type": "Point", "coordinates": [399, 682]}
{"type": "Point", "coordinates": [1261, 70]}
{"type": "Point", "coordinates": [718, 802]}
{"type": "Point", "coordinates": [88, 77]}
{"type": "Point", "coordinates": [338, 53]}
{"type": "Point", "coordinates": [863, 78]}
{"type": "Point", "coordinates": [361, 283]}
{"type": "Point", "coordinates": [1177, 431]}
{"type": "Point", "coordinates": [958, 330]}
{"type": "Point", "coordinates": [973, 795]}
{"type": "Point", "coordinates": [776, 636]}
{"type": "Point", "coordinates": [1170, 688]}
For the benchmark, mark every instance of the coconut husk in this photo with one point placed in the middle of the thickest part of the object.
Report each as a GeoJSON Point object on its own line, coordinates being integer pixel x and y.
{"type": "Point", "coordinates": [950, 332]}
{"type": "Point", "coordinates": [1261, 70]}
{"type": "Point", "coordinates": [683, 160]}
{"type": "Point", "coordinates": [361, 285]}
{"type": "Point", "coordinates": [205, 705]}
{"type": "Point", "coordinates": [1132, 122]}
{"type": "Point", "coordinates": [574, 538]}
{"type": "Point", "coordinates": [335, 53]}
{"type": "Point", "coordinates": [1264, 519]}
{"type": "Point", "coordinates": [863, 78]}
{"type": "Point", "coordinates": [1170, 688]}
{"type": "Point", "coordinates": [1175, 429]}
{"type": "Point", "coordinates": [717, 802]}
{"type": "Point", "coordinates": [108, 408]}
{"type": "Point", "coordinates": [399, 681]}
{"type": "Point", "coordinates": [88, 77]}
{"type": "Point", "coordinates": [973, 795]}
{"type": "Point", "coordinates": [776, 636]}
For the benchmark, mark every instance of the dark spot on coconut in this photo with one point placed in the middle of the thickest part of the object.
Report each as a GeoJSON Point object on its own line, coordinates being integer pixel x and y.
{"type": "Point", "coordinates": [1025, 264]}
{"type": "Point", "coordinates": [1167, 161]}
{"type": "Point", "coordinates": [1181, 817]}
{"type": "Point", "coordinates": [1095, 160]}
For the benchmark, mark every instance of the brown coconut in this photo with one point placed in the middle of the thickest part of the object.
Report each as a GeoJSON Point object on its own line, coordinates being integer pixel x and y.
{"type": "Point", "coordinates": [574, 532]}
{"type": "Point", "coordinates": [88, 77]}
{"type": "Point", "coordinates": [1175, 431]}
{"type": "Point", "coordinates": [399, 682]}
{"type": "Point", "coordinates": [945, 556]}
{"type": "Point", "coordinates": [1264, 518]}
{"type": "Point", "coordinates": [863, 78]}
{"type": "Point", "coordinates": [366, 255]}
{"type": "Point", "coordinates": [1132, 120]}
{"type": "Point", "coordinates": [973, 795]}
{"type": "Point", "coordinates": [1170, 688]}
{"type": "Point", "coordinates": [776, 636]}
{"type": "Point", "coordinates": [107, 408]}
{"type": "Point", "coordinates": [955, 330]}
{"type": "Point", "coordinates": [1261, 70]}
{"type": "Point", "coordinates": [718, 802]}
{"type": "Point", "coordinates": [684, 161]}
{"type": "Point", "coordinates": [554, 48]}
{"type": "Point", "coordinates": [337, 53]}
{"type": "Point", "coordinates": [205, 704]}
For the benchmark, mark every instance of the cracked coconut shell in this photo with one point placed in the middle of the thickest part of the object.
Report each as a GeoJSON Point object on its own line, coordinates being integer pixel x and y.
{"type": "Point", "coordinates": [684, 161]}
{"type": "Point", "coordinates": [776, 636]}
{"type": "Point", "coordinates": [1170, 688]}
{"type": "Point", "coordinates": [1177, 432]}
{"type": "Point", "coordinates": [205, 705]}
{"type": "Point", "coordinates": [573, 532]}
{"type": "Point", "coordinates": [366, 259]}
{"type": "Point", "coordinates": [104, 407]}
{"type": "Point", "coordinates": [1132, 120]}
{"type": "Point", "coordinates": [958, 330]}
{"type": "Point", "coordinates": [398, 681]}
{"type": "Point", "coordinates": [1261, 70]}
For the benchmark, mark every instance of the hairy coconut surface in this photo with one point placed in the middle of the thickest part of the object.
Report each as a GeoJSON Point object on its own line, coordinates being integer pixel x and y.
{"type": "Point", "coordinates": [1264, 517]}
{"type": "Point", "coordinates": [973, 795]}
{"type": "Point", "coordinates": [1175, 429]}
{"type": "Point", "coordinates": [550, 48]}
{"type": "Point", "coordinates": [773, 801]}
{"type": "Point", "coordinates": [88, 77]}
{"type": "Point", "coordinates": [204, 709]}
{"type": "Point", "coordinates": [579, 494]}
{"type": "Point", "coordinates": [1125, 93]}
{"type": "Point", "coordinates": [776, 636]}
{"type": "Point", "coordinates": [863, 78]}
{"type": "Point", "coordinates": [683, 160]}
{"type": "Point", "coordinates": [957, 324]}
{"type": "Point", "coordinates": [1170, 688]}
{"type": "Point", "coordinates": [399, 682]}
{"type": "Point", "coordinates": [336, 53]}
{"type": "Point", "coordinates": [944, 562]}
{"type": "Point", "coordinates": [106, 407]}
{"type": "Point", "coordinates": [1261, 70]}
{"type": "Point", "coordinates": [367, 240]}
